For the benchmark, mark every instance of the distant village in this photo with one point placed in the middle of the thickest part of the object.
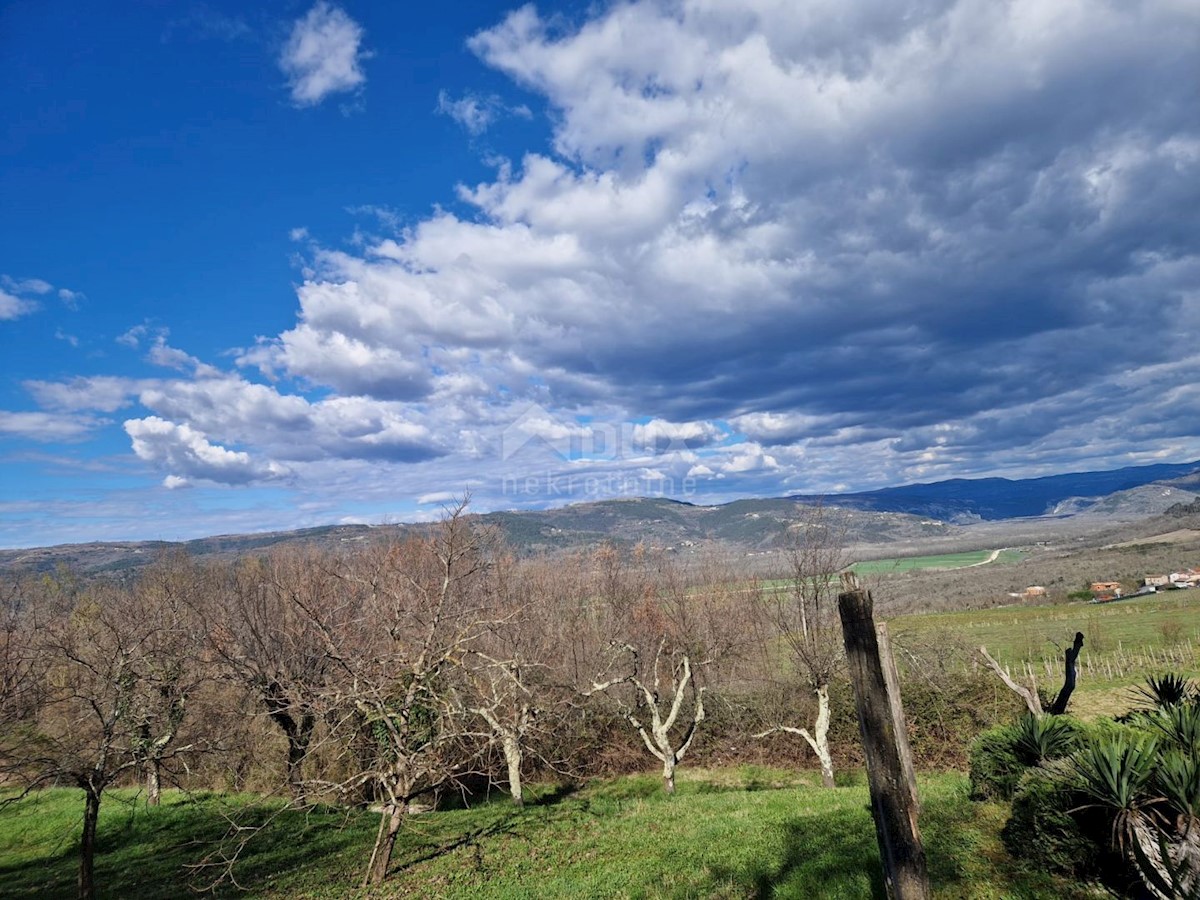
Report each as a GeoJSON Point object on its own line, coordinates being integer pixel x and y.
{"type": "Point", "coordinates": [1107, 591]}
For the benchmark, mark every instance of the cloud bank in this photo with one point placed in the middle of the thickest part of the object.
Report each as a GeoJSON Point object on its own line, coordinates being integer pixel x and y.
{"type": "Point", "coordinates": [771, 248]}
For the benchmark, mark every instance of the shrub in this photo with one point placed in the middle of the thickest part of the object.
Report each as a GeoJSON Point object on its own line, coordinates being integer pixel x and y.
{"type": "Point", "coordinates": [946, 712]}
{"type": "Point", "coordinates": [1043, 830]}
{"type": "Point", "coordinates": [1123, 807]}
{"type": "Point", "coordinates": [1172, 631]}
{"type": "Point", "coordinates": [1000, 755]}
{"type": "Point", "coordinates": [995, 767]}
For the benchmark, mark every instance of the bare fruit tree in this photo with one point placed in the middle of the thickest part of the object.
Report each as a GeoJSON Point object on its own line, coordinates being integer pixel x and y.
{"type": "Point", "coordinates": [508, 681]}
{"type": "Point", "coordinates": [1030, 694]}
{"type": "Point", "coordinates": [659, 635]}
{"type": "Point", "coordinates": [165, 599]}
{"type": "Point", "coordinates": [503, 698]}
{"type": "Point", "coordinates": [661, 690]}
{"type": "Point", "coordinates": [801, 619]}
{"type": "Point", "coordinates": [264, 630]}
{"type": "Point", "coordinates": [110, 669]}
{"type": "Point", "coordinates": [409, 616]}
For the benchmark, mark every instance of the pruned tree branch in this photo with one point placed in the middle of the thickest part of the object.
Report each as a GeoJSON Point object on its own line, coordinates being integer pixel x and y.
{"type": "Point", "coordinates": [1029, 694]}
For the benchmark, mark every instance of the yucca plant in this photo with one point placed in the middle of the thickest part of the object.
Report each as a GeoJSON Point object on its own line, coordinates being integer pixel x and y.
{"type": "Point", "coordinates": [1180, 726]}
{"type": "Point", "coordinates": [1177, 780]}
{"type": "Point", "coordinates": [1167, 691]}
{"type": "Point", "coordinates": [1126, 778]}
{"type": "Point", "coordinates": [1113, 772]}
{"type": "Point", "coordinates": [1042, 738]}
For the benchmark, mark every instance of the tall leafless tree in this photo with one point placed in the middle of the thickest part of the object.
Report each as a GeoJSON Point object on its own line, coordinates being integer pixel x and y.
{"type": "Point", "coordinates": [508, 676]}
{"type": "Point", "coordinates": [801, 615]}
{"type": "Point", "coordinates": [662, 690]}
{"type": "Point", "coordinates": [659, 634]}
{"type": "Point", "coordinates": [166, 598]}
{"type": "Point", "coordinates": [21, 617]}
{"type": "Point", "coordinates": [409, 616]}
{"type": "Point", "coordinates": [265, 630]}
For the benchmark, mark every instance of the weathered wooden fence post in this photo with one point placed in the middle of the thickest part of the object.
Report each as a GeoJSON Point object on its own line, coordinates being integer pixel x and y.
{"type": "Point", "coordinates": [885, 745]}
{"type": "Point", "coordinates": [892, 679]}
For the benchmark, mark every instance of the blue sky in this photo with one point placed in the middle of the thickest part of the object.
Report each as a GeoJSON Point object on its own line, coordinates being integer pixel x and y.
{"type": "Point", "coordinates": [286, 265]}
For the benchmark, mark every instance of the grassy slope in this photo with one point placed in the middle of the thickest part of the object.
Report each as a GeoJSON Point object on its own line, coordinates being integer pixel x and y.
{"type": "Point", "coordinates": [1123, 641]}
{"type": "Point", "coordinates": [743, 833]}
{"type": "Point", "coordinates": [1016, 633]}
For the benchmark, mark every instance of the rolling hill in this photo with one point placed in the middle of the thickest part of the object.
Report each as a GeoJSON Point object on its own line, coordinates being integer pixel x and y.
{"type": "Point", "coordinates": [944, 514]}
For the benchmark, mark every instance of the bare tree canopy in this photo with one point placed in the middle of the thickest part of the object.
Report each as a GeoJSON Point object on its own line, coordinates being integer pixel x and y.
{"type": "Point", "coordinates": [801, 615]}
{"type": "Point", "coordinates": [99, 689]}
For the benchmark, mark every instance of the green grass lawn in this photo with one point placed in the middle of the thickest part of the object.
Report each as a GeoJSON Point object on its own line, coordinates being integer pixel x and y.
{"type": "Point", "coordinates": [727, 833]}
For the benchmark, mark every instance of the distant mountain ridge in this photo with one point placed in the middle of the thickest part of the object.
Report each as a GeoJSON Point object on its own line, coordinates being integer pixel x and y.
{"type": "Point", "coordinates": [991, 499]}
{"type": "Point", "coordinates": [908, 514]}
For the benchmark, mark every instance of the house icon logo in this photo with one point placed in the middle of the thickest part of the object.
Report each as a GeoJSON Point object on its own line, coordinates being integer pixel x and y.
{"type": "Point", "coordinates": [538, 432]}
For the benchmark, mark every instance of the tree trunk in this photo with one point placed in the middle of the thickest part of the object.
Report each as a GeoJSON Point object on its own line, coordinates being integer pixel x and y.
{"type": "Point", "coordinates": [1059, 707]}
{"type": "Point", "coordinates": [153, 783]}
{"type": "Point", "coordinates": [512, 756]}
{"type": "Point", "coordinates": [1169, 868]}
{"type": "Point", "coordinates": [821, 736]}
{"type": "Point", "coordinates": [87, 846]}
{"type": "Point", "coordinates": [1029, 695]}
{"type": "Point", "coordinates": [298, 734]}
{"type": "Point", "coordinates": [298, 739]}
{"type": "Point", "coordinates": [385, 841]}
{"type": "Point", "coordinates": [669, 773]}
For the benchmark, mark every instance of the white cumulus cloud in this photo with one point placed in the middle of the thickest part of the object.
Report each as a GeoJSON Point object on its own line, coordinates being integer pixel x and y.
{"type": "Point", "coordinates": [784, 247]}
{"type": "Point", "coordinates": [188, 454]}
{"type": "Point", "coordinates": [323, 55]}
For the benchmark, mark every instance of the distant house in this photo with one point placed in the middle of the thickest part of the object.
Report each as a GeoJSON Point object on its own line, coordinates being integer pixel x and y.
{"type": "Point", "coordinates": [1188, 578]}
{"type": "Point", "coordinates": [1106, 587]}
{"type": "Point", "coordinates": [1034, 590]}
{"type": "Point", "coordinates": [1156, 580]}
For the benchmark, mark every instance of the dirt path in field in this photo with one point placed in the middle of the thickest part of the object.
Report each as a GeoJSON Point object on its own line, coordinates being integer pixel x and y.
{"type": "Point", "coordinates": [984, 562]}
